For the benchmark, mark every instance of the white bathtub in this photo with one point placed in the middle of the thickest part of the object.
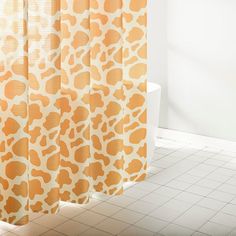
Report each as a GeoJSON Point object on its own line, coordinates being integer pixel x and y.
{"type": "Point", "coordinates": [153, 109]}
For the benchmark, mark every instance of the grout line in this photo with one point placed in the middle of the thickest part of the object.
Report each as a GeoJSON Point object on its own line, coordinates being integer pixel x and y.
{"type": "Point", "coordinates": [194, 204]}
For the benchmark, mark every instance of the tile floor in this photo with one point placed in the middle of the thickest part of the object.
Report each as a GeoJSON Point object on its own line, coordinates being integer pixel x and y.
{"type": "Point", "coordinates": [191, 190]}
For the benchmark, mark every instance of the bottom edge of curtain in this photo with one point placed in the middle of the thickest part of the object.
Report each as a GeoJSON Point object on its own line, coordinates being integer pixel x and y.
{"type": "Point", "coordinates": [82, 201]}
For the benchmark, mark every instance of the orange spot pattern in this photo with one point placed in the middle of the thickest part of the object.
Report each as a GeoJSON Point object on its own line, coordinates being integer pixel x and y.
{"type": "Point", "coordinates": [73, 101]}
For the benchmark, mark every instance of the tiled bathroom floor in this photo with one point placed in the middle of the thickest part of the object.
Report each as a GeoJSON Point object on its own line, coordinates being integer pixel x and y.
{"type": "Point", "coordinates": [190, 191]}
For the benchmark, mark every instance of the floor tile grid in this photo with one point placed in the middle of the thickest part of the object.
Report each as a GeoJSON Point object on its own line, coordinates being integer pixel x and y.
{"type": "Point", "coordinates": [140, 198]}
{"type": "Point", "coordinates": [123, 208]}
{"type": "Point", "coordinates": [195, 152]}
{"type": "Point", "coordinates": [135, 200]}
{"type": "Point", "coordinates": [67, 219]}
{"type": "Point", "coordinates": [163, 185]}
{"type": "Point", "coordinates": [195, 184]}
{"type": "Point", "coordinates": [102, 201]}
{"type": "Point", "coordinates": [175, 162]}
{"type": "Point", "coordinates": [220, 183]}
{"type": "Point", "coordinates": [220, 208]}
{"type": "Point", "coordinates": [54, 229]}
{"type": "Point", "coordinates": [172, 221]}
{"type": "Point", "coordinates": [197, 164]}
{"type": "Point", "coordinates": [209, 193]}
{"type": "Point", "coordinates": [222, 151]}
{"type": "Point", "coordinates": [156, 153]}
{"type": "Point", "coordinates": [49, 229]}
{"type": "Point", "coordinates": [221, 190]}
{"type": "Point", "coordinates": [217, 168]}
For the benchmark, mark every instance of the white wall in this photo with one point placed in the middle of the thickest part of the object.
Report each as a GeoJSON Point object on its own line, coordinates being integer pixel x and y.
{"type": "Point", "coordinates": [192, 54]}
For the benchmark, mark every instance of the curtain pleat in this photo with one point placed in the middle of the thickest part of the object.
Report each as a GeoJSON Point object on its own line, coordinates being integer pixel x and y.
{"type": "Point", "coordinates": [73, 101]}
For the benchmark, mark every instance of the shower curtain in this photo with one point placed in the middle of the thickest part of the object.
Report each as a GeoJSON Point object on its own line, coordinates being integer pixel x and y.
{"type": "Point", "coordinates": [72, 101]}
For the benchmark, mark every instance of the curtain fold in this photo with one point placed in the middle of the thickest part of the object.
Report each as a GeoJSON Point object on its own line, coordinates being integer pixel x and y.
{"type": "Point", "coordinates": [73, 101]}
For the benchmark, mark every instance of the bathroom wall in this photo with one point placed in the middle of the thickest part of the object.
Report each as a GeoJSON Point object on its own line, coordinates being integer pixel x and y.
{"type": "Point", "coordinates": [192, 55]}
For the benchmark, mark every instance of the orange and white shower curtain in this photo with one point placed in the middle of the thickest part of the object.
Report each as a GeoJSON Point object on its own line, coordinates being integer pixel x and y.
{"type": "Point", "coordinates": [72, 101]}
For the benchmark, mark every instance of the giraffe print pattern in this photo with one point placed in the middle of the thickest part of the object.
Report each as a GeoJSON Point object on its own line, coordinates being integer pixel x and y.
{"type": "Point", "coordinates": [73, 101]}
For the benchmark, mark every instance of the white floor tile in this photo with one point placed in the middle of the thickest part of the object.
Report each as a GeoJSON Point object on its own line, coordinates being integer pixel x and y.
{"type": "Point", "coordinates": [199, 234]}
{"type": "Point", "coordinates": [199, 190]}
{"type": "Point", "coordinates": [188, 178]}
{"type": "Point", "coordinates": [50, 221]}
{"type": "Point", "coordinates": [198, 173]}
{"type": "Point", "coordinates": [214, 162]}
{"type": "Point", "coordinates": [121, 201]}
{"type": "Point", "coordinates": [227, 188]}
{"type": "Point", "coordinates": [184, 166]}
{"type": "Point", "coordinates": [71, 228]}
{"type": "Point", "coordinates": [180, 185]}
{"type": "Point", "coordinates": [176, 230]}
{"type": "Point", "coordinates": [232, 181]}
{"type": "Point", "coordinates": [222, 157]}
{"type": "Point", "coordinates": [141, 207]}
{"type": "Point", "coordinates": [233, 201]}
{"type": "Point", "coordinates": [151, 223]}
{"type": "Point", "coordinates": [217, 177]}
{"type": "Point", "coordinates": [178, 205]}
{"type": "Point", "coordinates": [112, 226]}
{"type": "Point", "coordinates": [164, 163]}
{"type": "Point", "coordinates": [95, 232]}
{"type": "Point", "coordinates": [167, 191]}
{"type": "Point", "coordinates": [215, 229]}
{"type": "Point", "coordinates": [161, 178]}
{"type": "Point", "coordinates": [135, 193]}
{"type": "Point", "coordinates": [230, 165]}
{"type": "Point", "coordinates": [229, 209]}
{"type": "Point", "coordinates": [52, 233]}
{"type": "Point", "coordinates": [208, 183]}
{"type": "Point", "coordinates": [197, 158]}
{"type": "Point", "coordinates": [8, 234]}
{"type": "Point", "coordinates": [128, 216]}
{"type": "Point", "coordinates": [89, 218]}
{"type": "Point", "coordinates": [203, 153]}
{"type": "Point", "coordinates": [30, 229]}
{"type": "Point", "coordinates": [212, 149]}
{"type": "Point", "coordinates": [228, 153]}
{"type": "Point", "coordinates": [106, 209]}
{"type": "Point", "coordinates": [206, 168]}
{"type": "Point", "coordinates": [221, 196]}
{"type": "Point", "coordinates": [211, 204]}
{"type": "Point", "coordinates": [156, 199]}
{"type": "Point", "coordinates": [224, 219]}
{"type": "Point", "coordinates": [171, 210]}
{"type": "Point", "coordinates": [195, 217]}
{"type": "Point", "coordinates": [136, 231]}
{"type": "Point", "coordinates": [146, 186]}
{"type": "Point", "coordinates": [71, 211]}
{"type": "Point", "coordinates": [189, 197]}
{"type": "Point", "coordinates": [165, 151]}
